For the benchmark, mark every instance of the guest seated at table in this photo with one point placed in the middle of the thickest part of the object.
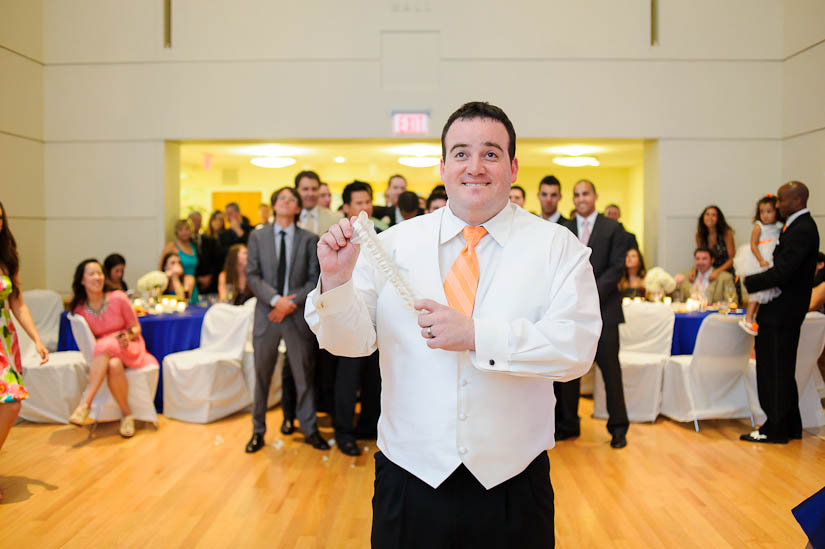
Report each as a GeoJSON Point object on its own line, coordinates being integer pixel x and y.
{"type": "Point", "coordinates": [179, 283]}
{"type": "Point", "coordinates": [118, 344]}
{"type": "Point", "coordinates": [713, 289]}
{"type": "Point", "coordinates": [187, 253]}
{"type": "Point", "coordinates": [232, 286]}
{"type": "Point", "coordinates": [213, 255]}
{"type": "Point", "coordinates": [632, 283]}
{"type": "Point", "coordinates": [113, 267]}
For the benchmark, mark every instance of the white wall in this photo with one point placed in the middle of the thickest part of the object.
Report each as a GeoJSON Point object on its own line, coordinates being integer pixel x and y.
{"type": "Point", "coordinates": [325, 69]}
{"type": "Point", "coordinates": [21, 133]}
{"type": "Point", "coordinates": [803, 106]}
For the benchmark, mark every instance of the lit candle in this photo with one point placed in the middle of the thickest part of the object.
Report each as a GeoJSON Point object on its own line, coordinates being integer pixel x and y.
{"type": "Point", "coordinates": [626, 300]}
{"type": "Point", "coordinates": [138, 302]}
{"type": "Point", "coordinates": [158, 308]}
{"type": "Point", "coordinates": [667, 300]}
{"type": "Point", "coordinates": [181, 306]}
{"type": "Point", "coordinates": [637, 299]}
{"type": "Point", "coordinates": [165, 301]}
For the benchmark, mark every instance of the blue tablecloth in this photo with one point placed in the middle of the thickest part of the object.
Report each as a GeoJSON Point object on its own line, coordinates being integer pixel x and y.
{"type": "Point", "coordinates": [685, 330]}
{"type": "Point", "coordinates": [164, 334]}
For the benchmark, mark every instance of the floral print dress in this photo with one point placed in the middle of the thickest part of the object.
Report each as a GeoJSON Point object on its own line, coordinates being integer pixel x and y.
{"type": "Point", "coordinates": [11, 367]}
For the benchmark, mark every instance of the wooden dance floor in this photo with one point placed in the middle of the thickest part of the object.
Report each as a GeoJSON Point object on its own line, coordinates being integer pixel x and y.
{"type": "Point", "coordinates": [193, 485]}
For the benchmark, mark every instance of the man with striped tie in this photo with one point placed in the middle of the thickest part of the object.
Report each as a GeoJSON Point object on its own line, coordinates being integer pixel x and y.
{"type": "Point", "coordinates": [506, 305]}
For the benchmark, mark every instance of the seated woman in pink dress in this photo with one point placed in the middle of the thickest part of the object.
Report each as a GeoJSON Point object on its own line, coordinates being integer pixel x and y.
{"type": "Point", "coordinates": [118, 342]}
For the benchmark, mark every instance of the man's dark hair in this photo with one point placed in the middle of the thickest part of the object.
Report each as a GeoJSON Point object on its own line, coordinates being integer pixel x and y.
{"type": "Point", "coordinates": [233, 205]}
{"type": "Point", "coordinates": [307, 173]}
{"type": "Point", "coordinates": [435, 195]}
{"type": "Point", "coordinates": [614, 206]}
{"type": "Point", "coordinates": [408, 202]}
{"type": "Point", "coordinates": [393, 177]}
{"type": "Point", "coordinates": [440, 188]}
{"type": "Point", "coordinates": [704, 249]}
{"type": "Point", "coordinates": [520, 189]}
{"type": "Point", "coordinates": [480, 109]}
{"type": "Point", "coordinates": [550, 180]}
{"type": "Point", "coordinates": [355, 186]}
{"type": "Point", "coordinates": [592, 186]}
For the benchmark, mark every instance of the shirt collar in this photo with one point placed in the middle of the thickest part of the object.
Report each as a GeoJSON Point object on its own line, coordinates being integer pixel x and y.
{"type": "Point", "coordinates": [497, 226]}
{"type": "Point", "coordinates": [290, 230]}
{"type": "Point", "coordinates": [591, 220]}
{"type": "Point", "coordinates": [793, 217]}
{"type": "Point", "coordinates": [554, 218]}
{"type": "Point", "coordinates": [312, 211]}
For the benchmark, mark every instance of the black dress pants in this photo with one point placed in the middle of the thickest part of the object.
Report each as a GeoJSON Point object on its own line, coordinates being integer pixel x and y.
{"type": "Point", "coordinates": [352, 374]}
{"type": "Point", "coordinates": [567, 393]}
{"type": "Point", "coordinates": [461, 513]}
{"type": "Point", "coordinates": [776, 348]}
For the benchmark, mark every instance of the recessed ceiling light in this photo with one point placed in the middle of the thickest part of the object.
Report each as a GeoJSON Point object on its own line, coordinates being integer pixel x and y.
{"type": "Point", "coordinates": [420, 161]}
{"type": "Point", "coordinates": [574, 150]}
{"type": "Point", "coordinates": [418, 149]}
{"type": "Point", "coordinates": [339, 159]}
{"type": "Point", "coordinates": [269, 150]}
{"type": "Point", "coordinates": [272, 161]}
{"type": "Point", "coordinates": [576, 161]}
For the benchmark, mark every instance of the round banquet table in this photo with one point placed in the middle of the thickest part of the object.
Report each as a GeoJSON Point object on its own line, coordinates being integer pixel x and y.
{"type": "Point", "coordinates": [686, 328]}
{"type": "Point", "coordinates": [164, 334]}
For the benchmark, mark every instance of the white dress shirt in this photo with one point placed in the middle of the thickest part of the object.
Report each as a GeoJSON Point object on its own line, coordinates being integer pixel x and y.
{"type": "Point", "coordinates": [554, 218]}
{"type": "Point", "coordinates": [288, 238]}
{"type": "Point", "coordinates": [591, 220]}
{"type": "Point", "coordinates": [537, 320]}
{"type": "Point", "coordinates": [702, 281]}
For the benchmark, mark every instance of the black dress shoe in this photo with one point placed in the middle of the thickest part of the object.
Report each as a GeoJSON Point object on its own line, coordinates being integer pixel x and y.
{"type": "Point", "coordinates": [317, 441]}
{"type": "Point", "coordinates": [756, 436]}
{"type": "Point", "coordinates": [619, 440]}
{"type": "Point", "coordinates": [255, 443]}
{"type": "Point", "coordinates": [350, 448]}
{"type": "Point", "coordinates": [566, 435]}
{"type": "Point", "coordinates": [287, 427]}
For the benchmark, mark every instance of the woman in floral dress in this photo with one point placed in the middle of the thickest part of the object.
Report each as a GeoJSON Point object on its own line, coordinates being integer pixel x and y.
{"type": "Point", "coordinates": [12, 390]}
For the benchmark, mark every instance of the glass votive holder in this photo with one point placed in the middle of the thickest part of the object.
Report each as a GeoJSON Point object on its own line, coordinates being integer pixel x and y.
{"type": "Point", "coordinates": [164, 301]}
{"type": "Point", "coordinates": [181, 306]}
{"type": "Point", "coordinates": [667, 300]}
{"type": "Point", "coordinates": [626, 300]}
{"type": "Point", "coordinates": [637, 299]}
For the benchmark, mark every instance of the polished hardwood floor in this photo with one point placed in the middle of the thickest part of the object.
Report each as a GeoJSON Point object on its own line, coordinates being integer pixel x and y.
{"type": "Point", "coordinates": [185, 485]}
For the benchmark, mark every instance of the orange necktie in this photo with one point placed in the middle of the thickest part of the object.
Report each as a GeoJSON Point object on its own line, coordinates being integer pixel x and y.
{"type": "Point", "coordinates": [462, 280]}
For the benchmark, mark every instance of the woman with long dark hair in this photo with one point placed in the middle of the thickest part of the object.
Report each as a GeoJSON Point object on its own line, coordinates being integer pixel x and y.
{"type": "Point", "coordinates": [714, 233]}
{"type": "Point", "coordinates": [632, 283]}
{"type": "Point", "coordinates": [118, 343]}
{"type": "Point", "coordinates": [12, 390]}
{"type": "Point", "coordinates": [232, 287]}
{"type": "Point", "coordinates": [213, 254]}
{"type": "Point", "coordinates": [113, 267]}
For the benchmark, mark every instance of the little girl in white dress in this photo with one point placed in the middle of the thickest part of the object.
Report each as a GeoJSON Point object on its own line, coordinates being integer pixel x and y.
{"type": "Point", "coordinates": [757, 256]}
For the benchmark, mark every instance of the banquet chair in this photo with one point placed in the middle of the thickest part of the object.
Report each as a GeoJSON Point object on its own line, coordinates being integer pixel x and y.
{"type": "Point", "coordinates": [207, 384]}
{"type": "Point", "coordinates": [644, 348]}
{"type": "Point", "coordinates": [811, 344]}
{"type": "Point", "coordinates": [54, 388]}
{"type": "Point", "coordinates": [710, 383]}
{"type": "Point", "coordinates": [46, 307]}
{"type": "Point", "coordinates": [143, 382]}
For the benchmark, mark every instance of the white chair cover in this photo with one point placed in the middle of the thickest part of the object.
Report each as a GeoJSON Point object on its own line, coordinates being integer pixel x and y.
{"type": "Point", "coordinates": [710, 383]}
{"type": "Point", "coordinates": [811, 344]}
{"type": "Point", "coordinates": [143, 382]}
{"type": "Point", "coordinates": [54, 388]}
{"type": "Point", "coordinates": [645, 339]}
{"type": "Point", "coordinates": [206, 384]}
{"type": "Point", "coordinates": [46, 307]}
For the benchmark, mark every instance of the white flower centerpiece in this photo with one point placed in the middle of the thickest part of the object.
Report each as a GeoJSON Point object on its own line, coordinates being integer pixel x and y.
{"type": "Point", "coordinates": [151, 285]}
{"type": "Point", "coordinates": [659, 283]}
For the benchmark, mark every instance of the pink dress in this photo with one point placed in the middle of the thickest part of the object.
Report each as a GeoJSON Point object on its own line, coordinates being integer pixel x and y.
{"type": "Point", "coordinates": [116, 316]}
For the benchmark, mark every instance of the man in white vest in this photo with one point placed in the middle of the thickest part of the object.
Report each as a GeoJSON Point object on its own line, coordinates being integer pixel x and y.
{"type": "Point", "coordinates": [506, 305]}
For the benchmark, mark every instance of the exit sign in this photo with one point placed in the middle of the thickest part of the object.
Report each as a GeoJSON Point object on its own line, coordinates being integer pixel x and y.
{"type": "Point", "coordinates": [410, 123]}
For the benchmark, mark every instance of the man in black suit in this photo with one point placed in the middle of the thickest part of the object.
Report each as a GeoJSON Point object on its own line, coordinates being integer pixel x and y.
{"type": "Point", "coordinates": [549, 196]}
{"type": "Point", "coordinates": [780, 320]}
{"type": "Point", "coordinates": [613, 212]}
{"type": "Point", "coordinates": [608, 243]}
{"type": "Point", "coordinates": [390, 213]}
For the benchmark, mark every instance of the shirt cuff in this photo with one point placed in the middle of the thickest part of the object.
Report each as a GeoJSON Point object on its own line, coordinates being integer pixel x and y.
{"type": "Point", "coordinates": [274, 300]}
{"type": "Point", "coordinates": [333, 301]}
{"type": "Point", "coordinates": [492, 345]}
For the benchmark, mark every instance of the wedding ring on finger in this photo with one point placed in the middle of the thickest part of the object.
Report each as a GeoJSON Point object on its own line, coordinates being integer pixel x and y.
{"type": "Point", "coordinates": [430, 332]}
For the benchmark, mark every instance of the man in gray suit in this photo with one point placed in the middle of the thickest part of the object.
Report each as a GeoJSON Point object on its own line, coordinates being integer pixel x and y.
{"type": "Point", "coordinates": [282, 268]}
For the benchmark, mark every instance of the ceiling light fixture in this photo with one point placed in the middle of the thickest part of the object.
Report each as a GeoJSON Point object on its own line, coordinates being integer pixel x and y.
{"type": "Point", "coordinates": [418, 149]}
{"type": "Point", "coordinates": [576, 161]}
{"type": "Point", "coordinates": [420, 161]}
{"type": "Point", "coordinates": [272, 161]}
{"type": "Point", "coordinates": [269, 150]}
{"type": "Point", "coordinates": [574, 150]}
{"type": "Point", "coordinates": [339, 159]}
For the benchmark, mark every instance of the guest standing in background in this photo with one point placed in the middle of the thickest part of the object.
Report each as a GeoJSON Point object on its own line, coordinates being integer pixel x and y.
{"type": "Point", "coordinates": [113, 267]}
{"type": "Point", "coordinates": [232, 287]}
{"type": "Point", "coordinates": [632, 283]}
{"type": "Point", "coordinates": [608, 244]}
{"type": "Point", "coordinates": [324, 196]}
{"type": "Point", "coordinates": [780, 320]}
{"type": "Point", "coordinates": [118, 344]}
{"type": "Point", "coordinates": [188, 255]}
{"type": "Point", "coordinates": [239, 228]}
{"type": "Point", "coordinates": [196, 220]}
{"type": "Point", "coordinates": [436, 200]}
{"type": "Point", "coordinates": [549, 196]}
{"type": "Point", "coordinates": [408, 204]}
{"type": "Point", "coordinates": [613, 212]}
{"type": "Point", "coordinates": [517, 195]}
{"type": "Point", "coordinates": [12, 390]}
{"type": "Point", "coordinates": [212, 255]}
{"type": "Point", "coordinates": [265, 215]}
{"type": "Point", "coordinates": [313, 218]}
{"type": "Point", "coordinates": [390, 214]}
{"type": "Point", "coordinates": [714, 233]}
